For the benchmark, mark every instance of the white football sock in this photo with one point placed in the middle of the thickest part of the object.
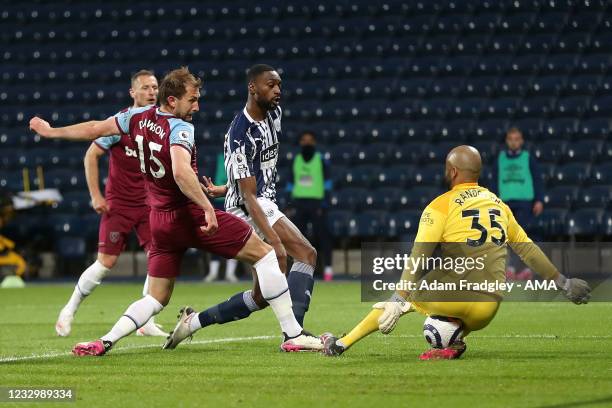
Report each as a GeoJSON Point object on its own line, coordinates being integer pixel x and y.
{"type": "Point", "coordinates": [230, 269]}
{"type": "Point", "coordinates": [134, 317]}
{"type": "Point", "coordinates": [213, 272]}
{"type": "Point", "coordinates": [145, 292]}
{"type": "Point", "coordinates": [274, 289]}
{"type": "Point", "coordinates": [145, 288]}
{"type": "Point", "coordinates": [194, 323]}
{"type": "Point", "coordinates": [88, 282]}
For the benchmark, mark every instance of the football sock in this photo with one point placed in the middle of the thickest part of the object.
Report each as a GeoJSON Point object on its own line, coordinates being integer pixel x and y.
{"type": "Point", "coordinates": [368, 325]}
{"type": "Point", "coordinates": [230, 269]}
{"type": "Point", "coordinates": [88, 281]}
{"type": "Point", "coordinates": [145, 292]}
{"type": "Point", "coordinates": [239, 306]}
{"type": "Point", "coordinates": [274, 289]}
{"type": "Point", "coordinates": [134, 317]}
{"type": "Point", "coordinates": [145, 287]}
{"type": "Point", "coordinates": [213, 272]}
{"type": "Point", "coordinates": [301, 283]}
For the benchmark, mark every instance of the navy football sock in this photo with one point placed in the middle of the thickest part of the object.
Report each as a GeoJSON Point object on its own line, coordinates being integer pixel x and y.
{"type": "Point", "coordinates": [301, 284]}
{"type": "Point", "coordinates": [239, 306]}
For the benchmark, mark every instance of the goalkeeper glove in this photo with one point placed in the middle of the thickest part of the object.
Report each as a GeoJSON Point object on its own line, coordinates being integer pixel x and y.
{"type": "Point", "coordinates": [576, 290]}
{"type": "Point", "coordinates": [393, 309]}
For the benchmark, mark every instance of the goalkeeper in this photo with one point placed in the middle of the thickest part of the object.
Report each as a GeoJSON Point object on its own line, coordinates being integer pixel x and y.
{"type": "Point", "coordinates": [468, 220]}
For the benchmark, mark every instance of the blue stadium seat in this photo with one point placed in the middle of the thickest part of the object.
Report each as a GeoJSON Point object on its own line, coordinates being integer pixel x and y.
{"type": "Point", "coordinates": [549, 151]}
{"type": "Point", "coordinates": [402, 224]}
{"type": "Point", "coordinates": [337, 222]}
{"type": "Point", "coordinates": [601, 174]}
{"type": "Point", "coordinates": [359, 176]}
{"type": "Point", "coordinates": [606, 224]}
{"type": "Point", "coordinates": [596, 129]}
{"type": "Point", "coordinates": [595, 197]}
{"type": "Point", "coordinates": [584, 222]}
{"type": "Point", "coordinates": [552, 223]}
{"type": "Point", "coordinates": [571, 174]}
{"type": "Point", "coordinates": [368, 224]}
{"type": "Point", "coordinates": [75, 202]}
{"type": "Point", "coordinates": [582, 150]}
{"type": "Point", "coordinates": [347, 198]}
{"type": "Point", "coordinates": [573, 106]}
{"type": "Point", "coordinates": [560, 197]}
{"type": "Point", "coordinates": [375, 153]}
{"type": "Point", "coordinates": [429, 175]}
{"type": "Point", "coordinates": [397, 176]}
{"type": "Point", "coordinates": [559, 129]}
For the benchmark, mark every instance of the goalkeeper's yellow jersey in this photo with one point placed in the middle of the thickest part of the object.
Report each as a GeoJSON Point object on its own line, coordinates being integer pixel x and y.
{"type": "Point", "coordinates": [482, 224]}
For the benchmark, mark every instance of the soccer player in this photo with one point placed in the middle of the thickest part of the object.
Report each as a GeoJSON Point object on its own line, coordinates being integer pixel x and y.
{"type": "Point", "coordinates": [123, 207]}
{"type": "Point", "coordinates": [181, 216]}
{"type": "Point", "coordinates": [473, 216]}
{"type": "Point", "coordinates": [251, 152]}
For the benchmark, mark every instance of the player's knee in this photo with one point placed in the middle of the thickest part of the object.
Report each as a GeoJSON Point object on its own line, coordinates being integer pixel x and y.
{"type": "Point", "coordinates": [308, 254]}
{"type": "Point", "coordinates": [109, 261]}
{"type": "Point", "coordinates": [161, 297]}
{"type": "Point", "coordinates": [312, 255]}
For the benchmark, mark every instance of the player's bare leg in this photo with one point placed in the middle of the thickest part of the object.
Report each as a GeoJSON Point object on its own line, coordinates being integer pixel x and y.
{"type": "Point", "coordinates": [87, 283]}
{"type": "Point", "coordinates": [300, 278]}
{"type": "Point", "coordinates": [136, 315]}
{"type": "Point", "coordinates": [273, 287]}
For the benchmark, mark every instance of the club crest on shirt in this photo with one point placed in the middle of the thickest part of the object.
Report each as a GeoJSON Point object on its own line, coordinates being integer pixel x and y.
{"type": "Point", "coordinates": [114, 237]}
{"type": "Point", "coordinates": [277, 124]}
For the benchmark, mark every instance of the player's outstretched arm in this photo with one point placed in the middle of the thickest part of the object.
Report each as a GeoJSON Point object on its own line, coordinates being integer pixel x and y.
{"type": "Point", "coordinates": [92, 175]}
{"type": "Point", "coordinates": [187, 181]}
{"type": "Point", "coordinates": [81, 131]}
{"type": "Point", "coordinates": [248, 189]}
{"type": "Point", "coordinates": [576, 290]}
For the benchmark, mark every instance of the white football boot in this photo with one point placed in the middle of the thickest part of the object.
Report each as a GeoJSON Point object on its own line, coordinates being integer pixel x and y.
{"type": "Point", "coordinates": [302, 342]}
{"type": "Point", "coordinates": [181, 330]}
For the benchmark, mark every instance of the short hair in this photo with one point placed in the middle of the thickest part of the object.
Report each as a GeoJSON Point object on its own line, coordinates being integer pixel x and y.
{"type": "Point", "coordinates": [175, 84]}
{"type": "Point", "coordinates": [514, 129]}
{"type": "Point", "coordinates": [257, 70]}
{"type": "Point", "coordinates": [142, 72]}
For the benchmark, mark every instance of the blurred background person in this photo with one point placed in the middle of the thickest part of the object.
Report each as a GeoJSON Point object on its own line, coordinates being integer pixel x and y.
{"type": "Point", "coordinates": [309, 182]}
{"type": "Point", "coordinates": [517, 181]}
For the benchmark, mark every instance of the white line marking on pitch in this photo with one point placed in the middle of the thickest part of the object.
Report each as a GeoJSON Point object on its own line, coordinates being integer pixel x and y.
{"type": "Point", "coordinates": [12, 359]}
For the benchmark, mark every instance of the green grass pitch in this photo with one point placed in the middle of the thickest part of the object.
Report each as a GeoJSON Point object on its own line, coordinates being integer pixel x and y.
{"type": "Point", "coordinates": [531, 355]}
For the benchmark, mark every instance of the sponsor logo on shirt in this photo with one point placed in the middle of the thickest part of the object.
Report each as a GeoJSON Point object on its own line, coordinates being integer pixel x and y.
{"type": "Point", "coordinates": [269, 156]}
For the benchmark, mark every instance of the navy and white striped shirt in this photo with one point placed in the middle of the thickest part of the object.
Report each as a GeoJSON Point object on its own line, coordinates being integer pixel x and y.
{"type": "Point", "coordinates": [251, 150]}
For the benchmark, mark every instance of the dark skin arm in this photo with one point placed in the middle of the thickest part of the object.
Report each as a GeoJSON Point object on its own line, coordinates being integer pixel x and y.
{"type": "Point", "coordinates": [248, 189]}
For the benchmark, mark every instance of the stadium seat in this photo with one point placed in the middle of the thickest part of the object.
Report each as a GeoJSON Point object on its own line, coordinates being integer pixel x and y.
{"type": "Point", "coordinates": [598, 197]}
{"type": "Point", "coordinates": [571, 173]}
{"type": "Point", "coordinates": [552, 223]}
{"type": "Point", "coordinates": [403, 224]}
{"type": "Point", "coordinates": [397, 176]}
{"type": "Point", "coordinates": [560, 197]}
{"type": "Point", "coordinates": [347, 198]}
{"type": "Point", "coordinates": [584, 222]}
{"type": "Point", "coordinates": [601, 174]}
{"type": "Point", "coordinates": [337, 222]}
